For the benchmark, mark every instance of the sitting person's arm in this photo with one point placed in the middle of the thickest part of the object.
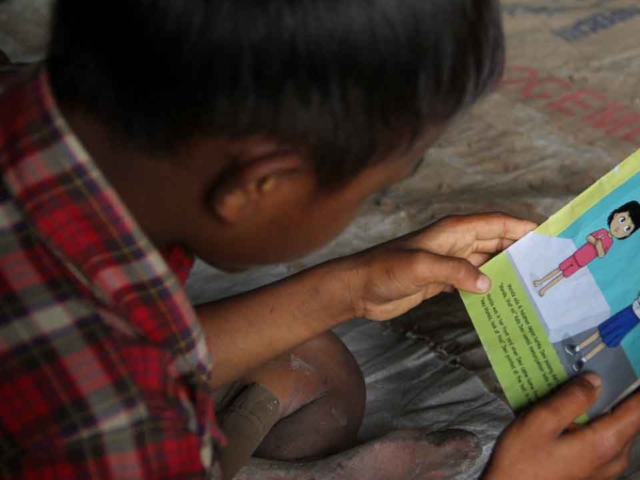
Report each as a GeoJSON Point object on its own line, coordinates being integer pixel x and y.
{"type": "Point", "coordinates": [245, 331]}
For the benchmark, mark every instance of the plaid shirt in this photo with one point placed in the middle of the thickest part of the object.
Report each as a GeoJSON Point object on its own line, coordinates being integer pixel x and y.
{"type": "Point", "coordinates": [104, 371]}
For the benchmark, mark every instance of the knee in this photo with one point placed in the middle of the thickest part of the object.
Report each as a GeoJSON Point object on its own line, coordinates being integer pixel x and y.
{"type": "Point", "coordinates": [322, 368]}
{"type": "Point", "coordinates": [322, 398]}
{"type": "Point", "coordinates": [336, 368]}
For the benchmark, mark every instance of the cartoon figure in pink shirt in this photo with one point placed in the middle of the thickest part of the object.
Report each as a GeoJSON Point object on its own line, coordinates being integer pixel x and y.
{"type": "Point", "coordinates": [623, 223]}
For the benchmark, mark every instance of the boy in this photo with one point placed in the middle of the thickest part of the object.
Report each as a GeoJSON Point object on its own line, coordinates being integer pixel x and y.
{"type": "Point", "coordinates": [242, 132]}
{"type": "Point", "coordinates": [623, 222]}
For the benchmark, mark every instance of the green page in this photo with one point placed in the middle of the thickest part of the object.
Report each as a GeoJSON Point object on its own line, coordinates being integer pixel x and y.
{"type": "Point", "coordinates": [565, 299]}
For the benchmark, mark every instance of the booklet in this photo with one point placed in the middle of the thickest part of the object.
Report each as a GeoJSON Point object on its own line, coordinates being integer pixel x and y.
{"type": "Point", "coordinates": [565, 299]}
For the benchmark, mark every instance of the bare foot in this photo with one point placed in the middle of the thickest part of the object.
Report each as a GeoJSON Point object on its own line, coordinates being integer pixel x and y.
{"type": "Point", "coordinates": [537, 283]}
{"type": "Point", "coordinates": [399, 455]}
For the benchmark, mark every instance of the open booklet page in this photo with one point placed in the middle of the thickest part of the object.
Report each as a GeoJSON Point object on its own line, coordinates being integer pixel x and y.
{"type": "Point", "coordinates": [566, 298]}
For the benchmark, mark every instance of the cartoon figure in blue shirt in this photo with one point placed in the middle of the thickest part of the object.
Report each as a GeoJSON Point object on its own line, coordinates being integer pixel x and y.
{"type": "Point", "coordinates": [609, 334]}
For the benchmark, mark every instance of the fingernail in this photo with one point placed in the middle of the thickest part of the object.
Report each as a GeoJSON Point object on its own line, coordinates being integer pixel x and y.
{"type": "Point", "coordinates": [483, 284]}
{"type": "Point", "coordinates": [593, 379]}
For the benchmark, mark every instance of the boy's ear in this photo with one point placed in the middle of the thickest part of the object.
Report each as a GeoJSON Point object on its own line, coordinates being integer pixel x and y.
{"type": "Point", "coordinates": [250, 182]}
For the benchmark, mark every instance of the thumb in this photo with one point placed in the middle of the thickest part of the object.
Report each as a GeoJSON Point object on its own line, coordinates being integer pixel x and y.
{"type": "Point", "coordinates": [557, 412]}
{"type": "Point", "coordinates": [457, 272]}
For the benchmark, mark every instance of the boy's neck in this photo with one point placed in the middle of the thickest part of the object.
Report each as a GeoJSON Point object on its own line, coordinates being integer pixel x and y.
{"type": "Point", "coordinates": [137, 179]}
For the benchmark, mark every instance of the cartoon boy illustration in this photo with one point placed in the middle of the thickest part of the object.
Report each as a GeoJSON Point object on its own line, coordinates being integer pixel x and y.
{"type": "Point", "coordinates": [609, 334]}
{"type": "Point", "coordinates": [623, 222]}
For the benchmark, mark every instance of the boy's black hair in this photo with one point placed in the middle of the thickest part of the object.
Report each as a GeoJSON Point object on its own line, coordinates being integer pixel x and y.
{"type": "Point", "coordinates": [633, 208]}
{"type": "Point", "coordinates": [343, 80]}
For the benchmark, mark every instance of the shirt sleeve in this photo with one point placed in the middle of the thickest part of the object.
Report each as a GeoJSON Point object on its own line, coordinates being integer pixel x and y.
{"type": "Point", "coordinates": [124, 412]}
{"type": "Point", "coordinates": [152, 449]}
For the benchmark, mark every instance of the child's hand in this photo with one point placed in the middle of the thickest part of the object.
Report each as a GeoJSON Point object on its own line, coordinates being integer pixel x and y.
{"type": "Point", "coordinates": [393, 278]}
{"type": "Point", "coordinates": [545, 443]}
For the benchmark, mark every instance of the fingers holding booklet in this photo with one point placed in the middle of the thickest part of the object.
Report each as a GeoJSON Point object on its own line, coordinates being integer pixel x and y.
{"type": "Point", "coordinates": [544, 442]}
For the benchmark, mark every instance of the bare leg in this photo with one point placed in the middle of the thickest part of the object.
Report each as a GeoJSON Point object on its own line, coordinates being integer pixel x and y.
{"type": "Point", "coordinates": [400, 455]}
{"type": "Point", "coordinates": [318, 395]}
{"type": "Point", "coordinates": [322, 395]}
{"type": "Point", "coordinates": [573, 349]}
{"type": "Point", "coordinates": [579, 365]}
{"type": "Point", "coordinates": [551, 284]}
{"type": "Point", "coordinates": [594, 352]}
{"type": "Point", "coordinates": [589, 340]}
{"type": "Point", "coordinates": [545, 279]}
{"type": "Point", "coordinates": [319, 392]}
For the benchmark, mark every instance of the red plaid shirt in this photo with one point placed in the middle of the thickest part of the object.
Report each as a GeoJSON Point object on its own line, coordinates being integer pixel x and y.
{"type": "Point", "coordinates": [104, 371]}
